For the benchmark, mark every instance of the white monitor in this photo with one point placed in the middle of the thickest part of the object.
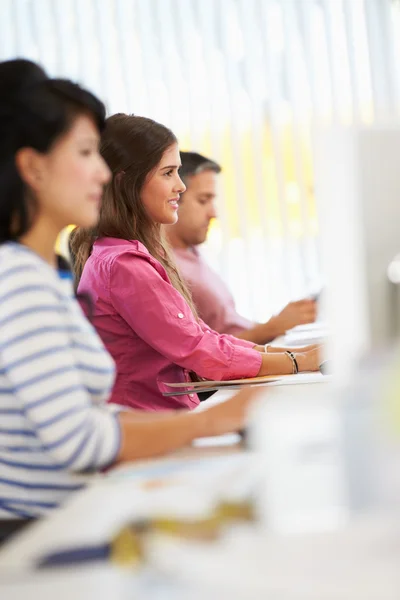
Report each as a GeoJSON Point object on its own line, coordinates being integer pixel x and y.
{"type": "Point", "coordinates": [357, 180]}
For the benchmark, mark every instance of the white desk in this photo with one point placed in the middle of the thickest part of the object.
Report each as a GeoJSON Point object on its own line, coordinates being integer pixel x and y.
{"type": "Point", "coordinates": [358, 562]}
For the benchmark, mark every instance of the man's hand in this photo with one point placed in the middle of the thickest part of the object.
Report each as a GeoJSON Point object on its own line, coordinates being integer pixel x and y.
{"type": "Point", "coordinates": [295, 313]}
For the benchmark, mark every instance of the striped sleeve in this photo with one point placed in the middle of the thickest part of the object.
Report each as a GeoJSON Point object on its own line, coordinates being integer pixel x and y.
{"type": "Point", "coordinates": [38, 364]}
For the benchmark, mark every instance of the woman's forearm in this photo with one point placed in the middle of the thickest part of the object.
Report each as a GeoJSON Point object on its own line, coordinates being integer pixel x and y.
{"type": "Point", "coordinates": [156, 434]}
{"type": "Point", "coordinates": [287, 361]}
{"type": "Point", "coordinates": [275, 363]}
{"type": "Point", "coordinates": [170, 431]}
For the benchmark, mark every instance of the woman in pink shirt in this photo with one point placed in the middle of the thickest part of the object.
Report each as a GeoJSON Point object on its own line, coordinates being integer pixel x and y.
{"type": "Point", "coordinates": [141, 307]}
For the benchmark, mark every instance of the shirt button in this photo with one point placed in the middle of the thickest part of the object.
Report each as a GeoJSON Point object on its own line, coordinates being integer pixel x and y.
{"type": "Point", "coordinates": [191, 395]}
{"type": "Point", "coordinates": [180, 315]}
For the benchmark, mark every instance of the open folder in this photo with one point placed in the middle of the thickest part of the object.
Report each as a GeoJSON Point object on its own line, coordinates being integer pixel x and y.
{"type": "Point", "coordinates": [178, 389]}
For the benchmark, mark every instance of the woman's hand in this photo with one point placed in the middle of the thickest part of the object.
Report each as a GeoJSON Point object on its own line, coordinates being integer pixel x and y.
{"type": "Point", "coordinates": [309, 360]}
{"type": "Point", "coordinates": [230, 415]}
{"type": "Point", "coordinates": [161, 433]}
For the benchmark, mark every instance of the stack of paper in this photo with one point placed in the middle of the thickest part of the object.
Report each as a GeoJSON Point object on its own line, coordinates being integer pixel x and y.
{"type": "Point", "coordinates": [208, 385]}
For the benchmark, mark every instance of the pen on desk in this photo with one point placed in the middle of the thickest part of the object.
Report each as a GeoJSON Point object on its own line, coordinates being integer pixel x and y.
{"type": "Point", "coordinates": [73, 556]}
{"type": "Point", "coordinates": [125, 550]}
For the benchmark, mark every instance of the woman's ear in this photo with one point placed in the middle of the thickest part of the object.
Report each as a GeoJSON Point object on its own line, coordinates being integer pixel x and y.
{"type": "Point", "coordinates": [29, 163]}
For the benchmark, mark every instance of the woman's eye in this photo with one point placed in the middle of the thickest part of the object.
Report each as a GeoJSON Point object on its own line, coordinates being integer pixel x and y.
{"type": "Point", "coordinates": [86, 152]}
{"type": "Point", "coordinates": [169, 173]}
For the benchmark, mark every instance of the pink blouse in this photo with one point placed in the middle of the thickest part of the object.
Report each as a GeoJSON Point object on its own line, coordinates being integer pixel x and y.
{"type": "Point", "coordinates": [150, 330]}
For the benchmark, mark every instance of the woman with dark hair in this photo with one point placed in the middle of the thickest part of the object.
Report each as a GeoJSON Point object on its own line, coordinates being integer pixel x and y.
{"type": "Point", "coordinates": [55, 374]}
{"type": "Point", "coordinates": [142, 309]}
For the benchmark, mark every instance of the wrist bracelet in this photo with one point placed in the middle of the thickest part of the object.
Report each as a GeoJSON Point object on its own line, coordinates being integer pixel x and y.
{"type": "Point", "coordinates": [266, 348]}
{"type": "Point", "coordinates": [294, 361]}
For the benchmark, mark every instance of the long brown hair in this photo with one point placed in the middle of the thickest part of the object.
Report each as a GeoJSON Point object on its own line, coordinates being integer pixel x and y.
{"type": "Point", "coordinates": [132, 147]}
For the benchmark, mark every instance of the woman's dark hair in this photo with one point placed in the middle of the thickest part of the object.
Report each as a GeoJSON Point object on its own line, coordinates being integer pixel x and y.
{"type": "Point", "coordinates": [35, 111]}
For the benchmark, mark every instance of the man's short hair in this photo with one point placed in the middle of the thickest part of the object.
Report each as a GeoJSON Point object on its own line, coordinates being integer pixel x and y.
{"type": "Point", "coordinates": [194, 163]}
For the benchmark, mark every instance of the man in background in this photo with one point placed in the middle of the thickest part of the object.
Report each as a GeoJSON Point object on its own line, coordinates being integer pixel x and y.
{"type": "Point", "coordinates": [213, 300]}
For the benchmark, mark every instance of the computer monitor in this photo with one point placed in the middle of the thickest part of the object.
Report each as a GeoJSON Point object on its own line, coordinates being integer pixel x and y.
{"type": "Point", "coordinates": [357, 182]}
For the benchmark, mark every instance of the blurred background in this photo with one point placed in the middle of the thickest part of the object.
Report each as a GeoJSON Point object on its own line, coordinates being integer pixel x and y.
{"type": "Point", "coordinates": [270, 89]}
{"type": "Point", "coordinates": [244, 82]}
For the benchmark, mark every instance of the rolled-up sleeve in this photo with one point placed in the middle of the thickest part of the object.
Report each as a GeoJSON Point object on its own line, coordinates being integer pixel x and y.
{"type": "Point", "coordinates": [159, 315]}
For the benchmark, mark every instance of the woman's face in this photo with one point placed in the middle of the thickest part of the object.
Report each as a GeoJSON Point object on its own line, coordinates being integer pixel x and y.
{"type": "Point", "coordinates": [69, 179]}
{"type": "Point", "coordinates": [162, 189]}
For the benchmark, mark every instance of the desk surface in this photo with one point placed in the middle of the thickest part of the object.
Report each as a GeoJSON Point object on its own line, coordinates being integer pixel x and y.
{"type": "Point", "coordinates": [91, 526]}
{"type": "Point", "coordinates": [359, 561]}
{"type": "Point", "coordinates": [116, 493]}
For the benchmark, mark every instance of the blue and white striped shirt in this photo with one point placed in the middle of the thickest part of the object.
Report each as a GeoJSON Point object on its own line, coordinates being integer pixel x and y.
{"type": "Point", "coordinates": [55, 376]}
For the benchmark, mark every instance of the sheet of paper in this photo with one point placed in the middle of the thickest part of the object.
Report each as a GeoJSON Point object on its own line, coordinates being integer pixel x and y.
{"type": "Point", "coordinates": [211, 383]}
